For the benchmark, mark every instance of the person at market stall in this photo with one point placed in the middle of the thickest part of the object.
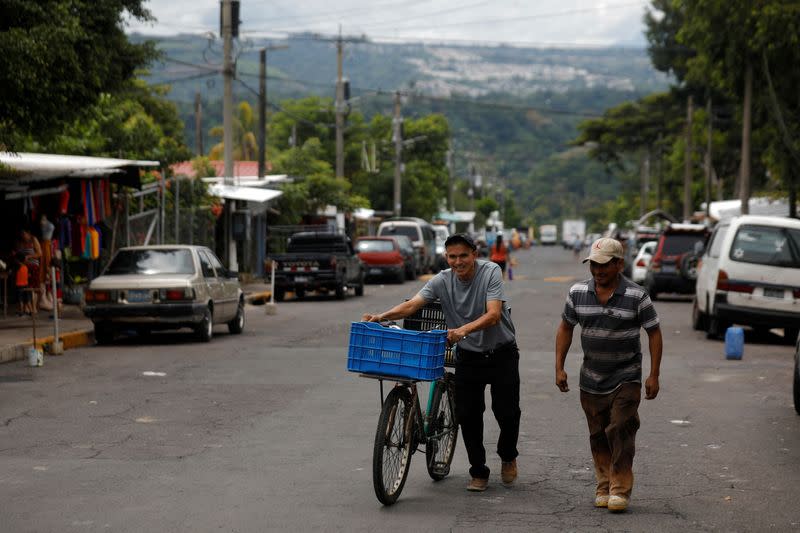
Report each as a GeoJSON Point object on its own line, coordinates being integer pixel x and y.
{"type": "Point", "coordinates": [29, 246]}
{"type": "Point", "coordinates": [479, 325]}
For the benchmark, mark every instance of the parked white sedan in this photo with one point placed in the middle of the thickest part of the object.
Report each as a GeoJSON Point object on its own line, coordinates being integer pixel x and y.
{"type": "Point", "coordinates": [642, 261]}
{"type": "Point", "coordinates": [164, 287]}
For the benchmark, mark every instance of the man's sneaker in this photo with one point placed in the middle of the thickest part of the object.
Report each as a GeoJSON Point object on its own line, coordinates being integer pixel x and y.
{"type": "Point", "coordinates": [478, 485]}
{"type": "Point", "coordinates": [601, 500]}
{"type": "Point", "coordinates": [617, 503]}
{"type": "Point", "coordinates": [508, 472]}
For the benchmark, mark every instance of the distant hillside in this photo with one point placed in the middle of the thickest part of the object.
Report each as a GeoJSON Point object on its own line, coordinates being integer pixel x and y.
{"type": "Point", "coordinates": [309, 66]}
{"type": "Point", "coordinates": [512, 110]}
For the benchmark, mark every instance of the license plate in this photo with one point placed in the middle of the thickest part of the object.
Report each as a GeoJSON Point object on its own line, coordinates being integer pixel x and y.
{"type": "Point", "coordinates": [668, 269]}
{"type": "Point", "coordinates": [138, 296]}
{"type": "Point", "coordinates": [301, 279]}
{"type": "Point", "coordinates": [375, 271]}
{"type": "Point", "coordinates": [773, 293]}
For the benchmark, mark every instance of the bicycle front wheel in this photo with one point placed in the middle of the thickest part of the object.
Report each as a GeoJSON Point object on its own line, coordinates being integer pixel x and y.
{"type": "Point", "coordinates": [391, 455]}
{"type": "Point", "coordinates": [442, 429]}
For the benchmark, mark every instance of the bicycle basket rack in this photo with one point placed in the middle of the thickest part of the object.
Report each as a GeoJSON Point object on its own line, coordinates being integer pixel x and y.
{"type": "Point", "coordinates": [428, 317]}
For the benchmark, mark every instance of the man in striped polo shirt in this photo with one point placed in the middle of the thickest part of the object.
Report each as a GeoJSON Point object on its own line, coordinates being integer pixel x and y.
{"type": "Point", "coordinates": [611, 310]}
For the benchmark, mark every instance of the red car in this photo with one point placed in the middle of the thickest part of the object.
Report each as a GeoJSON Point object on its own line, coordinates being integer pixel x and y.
{"type": "Point", "coordinates": [382, 257]}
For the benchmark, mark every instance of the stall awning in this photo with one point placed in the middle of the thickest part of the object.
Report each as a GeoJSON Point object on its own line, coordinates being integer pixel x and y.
{"type": "Point", "coordinates": [249, 194]}
{"type": "Point", "coordinates": [22, 168]}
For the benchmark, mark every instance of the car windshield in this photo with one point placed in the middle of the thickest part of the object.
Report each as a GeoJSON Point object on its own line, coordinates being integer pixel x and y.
{"type": "Point", "coordinates": [680, 243]}
{"type": "Point", "coordinates": [767, 245]}
{"type": "Point", "coordinates": [151, 262]}
{"type": "Point", "coordinates": [375, 246]}
{"type": "Point", "coordinates": [408, 231]}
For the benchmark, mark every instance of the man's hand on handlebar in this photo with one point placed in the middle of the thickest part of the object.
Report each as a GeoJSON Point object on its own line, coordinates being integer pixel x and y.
{"type": "Point", "coordinates": [455, 335]}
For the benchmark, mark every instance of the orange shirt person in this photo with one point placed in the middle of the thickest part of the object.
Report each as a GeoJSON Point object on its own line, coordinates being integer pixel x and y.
{"type": "Point", "coordinates": [499, 254]}
{"type": "Point", "coordinates": [21, 283]}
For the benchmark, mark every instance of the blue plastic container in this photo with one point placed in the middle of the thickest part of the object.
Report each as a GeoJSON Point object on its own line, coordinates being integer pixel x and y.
{"type": "Point", "coordinates": [734, 343]}
{"type": "Point", "coordinates": [375, 349]}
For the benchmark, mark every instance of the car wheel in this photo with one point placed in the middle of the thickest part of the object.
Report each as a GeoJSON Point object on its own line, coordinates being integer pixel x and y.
{"type": "Point", "coordinates": [300, 293]}
{"type": "Point", "coordinates": [790, 335]}
{"type": "Point", "coordinates": [360, 286]}
{"type": "Point", "coordinates": [103, 333]}
{"type": "Point", "coordinates": [796, 385]}
{"type": "Point", "coordinates": [651, 291]}
{"type": "Point", "coordinates": [236, 325]}
{"type": "Point", "coordinates": [699, 318]}
{"type": "Point", "coordinates": [340, 290]}
{"type": "Point", "coordinates": [401, 277]}
{"type": "Point", "coordinates": [716, 328]}
{"type": "Point", "coordinates": [205, 329]}
{"type": "Point", "coordinates": [411, 273]}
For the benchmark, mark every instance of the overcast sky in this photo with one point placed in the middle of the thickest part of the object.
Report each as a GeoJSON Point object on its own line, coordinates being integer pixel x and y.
{"type": "Point", "coordinates": [532, 22]}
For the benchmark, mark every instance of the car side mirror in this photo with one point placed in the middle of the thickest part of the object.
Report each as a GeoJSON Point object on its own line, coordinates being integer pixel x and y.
{"type": "Point", "coordinates": [233, 274]}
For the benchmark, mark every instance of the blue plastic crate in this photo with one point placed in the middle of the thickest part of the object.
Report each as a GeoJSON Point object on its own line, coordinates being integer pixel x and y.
{"type": "Point", "coordinates": [375, 349]}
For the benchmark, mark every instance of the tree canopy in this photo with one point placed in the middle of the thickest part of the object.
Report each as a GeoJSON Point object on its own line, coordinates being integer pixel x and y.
{"type": "Point", "coordinates": [58, 56]}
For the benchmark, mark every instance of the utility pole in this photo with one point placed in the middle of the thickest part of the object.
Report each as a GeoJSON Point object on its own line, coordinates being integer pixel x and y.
{"type": "Point", "coordinates": [687, 164]}
{"type": "Point", "coordinates": [198, 124]}
{"type": "Point", "coordinates": [262, 112]}
{"type": "Point", "coordinates": [709, 110]}
{"type": "Point", "coordinates": [659, 178]}
{"type": "Point", "coordinates": [744, 165]}
{"type": "Point", "coordinates": [397, 123]}
{"type": "Point", "coordinates": [451, 185]}
{"type": "Point", "coordinates": [339, 108]}
{"type": "Point", "coordinates": [227, 127]}
{"type": "Point", "coordinates": [645, 183]}
{"type": "Point", "coordinates": [262, 108]}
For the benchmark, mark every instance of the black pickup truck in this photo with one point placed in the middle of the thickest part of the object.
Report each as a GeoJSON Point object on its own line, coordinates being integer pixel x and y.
{"type": "Point", "coordinates": [317, 261]}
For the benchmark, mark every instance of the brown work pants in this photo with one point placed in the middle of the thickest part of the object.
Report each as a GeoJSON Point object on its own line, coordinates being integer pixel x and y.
{"type": "Point", "coordinates": [613, 421]}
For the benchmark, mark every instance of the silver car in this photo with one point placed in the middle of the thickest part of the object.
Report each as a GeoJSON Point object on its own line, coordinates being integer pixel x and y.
{"type": "Point", "coordinates": [164, 287]}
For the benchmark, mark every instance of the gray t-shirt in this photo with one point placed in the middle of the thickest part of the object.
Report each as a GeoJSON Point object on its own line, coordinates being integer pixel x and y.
{"type": "Point", "coordinates": [463, 302]}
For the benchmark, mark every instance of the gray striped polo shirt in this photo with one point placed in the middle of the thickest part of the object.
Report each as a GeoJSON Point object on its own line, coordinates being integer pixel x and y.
{"type": "Point", "coordinates": [612, 353]}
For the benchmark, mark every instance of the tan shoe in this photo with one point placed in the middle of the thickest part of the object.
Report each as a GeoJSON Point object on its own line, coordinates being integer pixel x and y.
{"type": "Point", "coordinates": [601, 500]}
{"type": "Point", "coordinates": [617, 504]}
{"type": "Point", "coordinates": [508, 472]}
{"type": "Point", "coordinates": [478, 485]}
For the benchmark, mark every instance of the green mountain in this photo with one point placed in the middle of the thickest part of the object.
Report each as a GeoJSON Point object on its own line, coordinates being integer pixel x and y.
{"type": "Point", "coordinates": [512, 110]}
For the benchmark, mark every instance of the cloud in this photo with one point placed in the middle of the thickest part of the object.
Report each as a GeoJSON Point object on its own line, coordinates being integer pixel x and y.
{"type": "Point", "coordinates": [514, 21]}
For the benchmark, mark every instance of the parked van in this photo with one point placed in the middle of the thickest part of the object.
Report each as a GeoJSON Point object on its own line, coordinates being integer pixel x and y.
{"type": "Point", "coordinates": [750, 275]}
{"type": "Point", "coordinates": [422, 237]}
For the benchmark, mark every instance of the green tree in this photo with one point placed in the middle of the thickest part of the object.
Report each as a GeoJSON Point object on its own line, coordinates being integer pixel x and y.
{"type": "Point", "coordinates": [245, 144]}
{"type": "Point", "coordinates": [58, 56]}
{"type": "Point", "coordinates": [137, 122]}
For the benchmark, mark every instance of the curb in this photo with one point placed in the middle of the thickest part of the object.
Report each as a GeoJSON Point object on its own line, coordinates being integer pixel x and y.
{"type": "Point", "coordinates": [69, 340]}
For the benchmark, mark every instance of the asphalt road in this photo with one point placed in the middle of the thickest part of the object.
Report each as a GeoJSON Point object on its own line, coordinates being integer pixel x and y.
{"type": "Point", "coordinates": [268, 431]}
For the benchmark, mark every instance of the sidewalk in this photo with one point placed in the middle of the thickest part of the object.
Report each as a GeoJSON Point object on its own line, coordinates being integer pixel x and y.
{"type": "Point", "coordinates": [74, 329]}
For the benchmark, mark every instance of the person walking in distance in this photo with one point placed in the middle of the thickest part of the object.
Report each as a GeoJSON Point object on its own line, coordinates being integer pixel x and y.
{"type": "Point", "coordinates": [479, 320]}
{"type": "Point", "coordinates": [500, 254]}
{"type": "Point", "coordinates": [610, 310]}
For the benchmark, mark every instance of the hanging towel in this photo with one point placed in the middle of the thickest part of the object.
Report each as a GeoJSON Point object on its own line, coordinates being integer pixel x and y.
{"type": "Point", "coordinates": [109, 209]}
{"type": "Point", "coordinates": [94, 243]}
{"type": "Point", "coordinates": [64, 232]}
{"type": "Point", "coordinates": [87, 243]}
{"type": "Point", "coordinates": [63, 202]}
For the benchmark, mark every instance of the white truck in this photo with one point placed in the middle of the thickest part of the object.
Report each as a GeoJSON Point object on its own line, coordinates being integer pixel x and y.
{"type": "Point", "coordinates": [548, 234]}
{"type": "Point", "coordinates": [572, 230]}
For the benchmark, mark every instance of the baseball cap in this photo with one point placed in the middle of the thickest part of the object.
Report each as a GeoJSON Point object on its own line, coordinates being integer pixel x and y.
{"type": "Point", "coordinates": [460, 238]}
{"type": "Point", "coordinates": [604, 250]}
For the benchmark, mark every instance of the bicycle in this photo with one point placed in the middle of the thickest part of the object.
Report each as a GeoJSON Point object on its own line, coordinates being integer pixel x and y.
{"type": "Point", "coordinates": [403, 427]}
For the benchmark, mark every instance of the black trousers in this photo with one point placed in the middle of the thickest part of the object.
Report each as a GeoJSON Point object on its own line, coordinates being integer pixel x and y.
{"type": "Point", "coordinates": [499, 370]}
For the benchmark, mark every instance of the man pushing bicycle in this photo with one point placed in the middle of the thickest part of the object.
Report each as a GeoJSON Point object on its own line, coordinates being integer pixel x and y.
{"type": "Point", "coordinates": [479, 321]}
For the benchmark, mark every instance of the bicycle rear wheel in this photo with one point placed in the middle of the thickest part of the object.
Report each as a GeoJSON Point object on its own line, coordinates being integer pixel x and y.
{"type": "Point", "coordinates": [391, 455]}
{"type": "Point", "coordinates": [442, 429]}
